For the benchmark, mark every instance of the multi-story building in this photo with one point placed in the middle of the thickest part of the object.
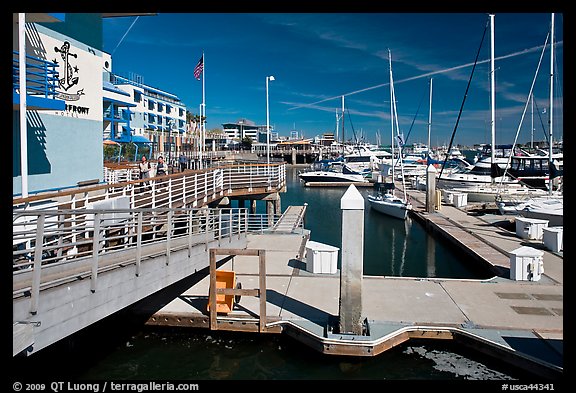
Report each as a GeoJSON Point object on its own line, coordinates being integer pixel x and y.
{"type": "Point", "coordinates": [136, 112]}
{"type": "Point", "coordinates": [246, 128]}
{"type": "Point", "coordinates": [57, 124]}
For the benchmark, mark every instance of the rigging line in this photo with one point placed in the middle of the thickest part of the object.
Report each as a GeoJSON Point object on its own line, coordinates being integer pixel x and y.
{"type": "Point", "coordinates": [414, 119]}
{"type": "Point", "coordinates": [352, 126]}
{"type": "Point", "coordinates": [464, 99]}
{"type": "Point", "coordinates": [541, 121]}
{"type": "Point", "coordinates": [122, 39]}
{"type": "Point", "coordinates": [530, 94]}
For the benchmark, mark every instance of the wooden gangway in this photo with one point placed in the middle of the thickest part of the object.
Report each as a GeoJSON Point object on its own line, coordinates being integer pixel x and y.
{"type": "Point", "coordinates": [291, 219]}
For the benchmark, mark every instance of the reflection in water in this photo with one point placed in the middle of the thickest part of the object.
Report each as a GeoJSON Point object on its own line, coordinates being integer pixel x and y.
{"type": "Point", "coordinates": [392, 247]}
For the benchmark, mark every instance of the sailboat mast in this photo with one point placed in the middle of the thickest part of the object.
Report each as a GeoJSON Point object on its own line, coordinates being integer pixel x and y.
{"type": "Point", "coordinates": [430, 118]}
{"type": "Point", "coordinates": [391, 114]}
{"type": "Point", "coordinates": [337, 139]}
{"type": "Point", "coordinates": [551, 112]}
{"type": "Point", "coordinates": [343, 139]}
{"type": "Point", "coordinates": [492, 93]}
{"type": "Point", "coordinates": [532, 121]}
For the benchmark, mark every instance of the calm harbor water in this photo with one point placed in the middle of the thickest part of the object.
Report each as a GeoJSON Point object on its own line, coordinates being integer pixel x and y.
{"type": "Point", "coordinates": [121, 348]}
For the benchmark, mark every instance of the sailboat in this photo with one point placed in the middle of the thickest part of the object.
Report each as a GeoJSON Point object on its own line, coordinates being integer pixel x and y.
{"type": "Point", "coordinates": [334, 171]}
{"type": "Point", "coordinates": [478, 185]}
{"type": "Point", "coordinates": [383, 198]}
{"type": "Point", "coordinates": [548, 207]}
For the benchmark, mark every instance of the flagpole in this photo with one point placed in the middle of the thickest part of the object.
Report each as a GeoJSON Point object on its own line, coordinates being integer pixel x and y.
{"type": "Point", "coordinates": [203, 111]}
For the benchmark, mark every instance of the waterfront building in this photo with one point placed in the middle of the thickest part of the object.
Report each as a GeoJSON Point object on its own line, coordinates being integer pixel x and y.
{"type": "Point", "coordinates": [138, 113]}
{"type": "Point", "coordinates": [244, 128]}
{"type": "Point", "coordinates": [64, 101]}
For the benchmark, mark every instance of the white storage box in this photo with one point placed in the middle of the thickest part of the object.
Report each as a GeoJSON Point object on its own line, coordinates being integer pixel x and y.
{"type": "Point", "coordinates": [448, 197]}
{"type": "Point", "coordinates": [526, 264]}
{"type": "Point", "coordinates": [321, 258]}
{"type": "Point", "coordinates": [530, 228]}
{"type": "Point", "coordinates": [553, 238]}
{"type": "Point", "coordinates": [460, 199]}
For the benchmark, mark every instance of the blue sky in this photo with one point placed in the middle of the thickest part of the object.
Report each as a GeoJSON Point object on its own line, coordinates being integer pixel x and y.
{"type": "Point", "coordinates": [316, 58]}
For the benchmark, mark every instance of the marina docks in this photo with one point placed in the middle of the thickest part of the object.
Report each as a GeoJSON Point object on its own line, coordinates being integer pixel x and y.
{"type": "Point", "coordinates": [520, 322]}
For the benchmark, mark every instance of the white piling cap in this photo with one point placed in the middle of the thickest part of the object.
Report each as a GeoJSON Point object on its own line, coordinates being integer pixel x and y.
{"type": "Point", "coordinates": [352, 199]}
{"type": "Point", "coordinates": [431, 168]}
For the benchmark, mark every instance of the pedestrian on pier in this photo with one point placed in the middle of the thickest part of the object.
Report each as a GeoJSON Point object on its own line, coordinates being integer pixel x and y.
{"type": "Point", "coordinates": [161, 167]}
{"type": "Point", "coordinates": [182, 160]}
{"type": "Point", "coordinates": [144, 167]}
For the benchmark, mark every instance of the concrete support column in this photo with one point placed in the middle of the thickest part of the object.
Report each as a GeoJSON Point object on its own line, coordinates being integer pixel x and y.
{"type": "Point", "coordinates": [431, 188]}
{"type": "Point", "coordinates": [350, 312]}
{"type": "Point", "coordinates": [293, 156]}
{"type": "Point", "coordinates": [278, 206]}
{"type": "Point", "coordinates": [253, 206]}
{"type": "Point", "coordinates": [270, 212]}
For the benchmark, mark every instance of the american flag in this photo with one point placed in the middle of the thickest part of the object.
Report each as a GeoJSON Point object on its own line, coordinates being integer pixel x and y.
{"type": "Point", "coordinates": [199, 68]}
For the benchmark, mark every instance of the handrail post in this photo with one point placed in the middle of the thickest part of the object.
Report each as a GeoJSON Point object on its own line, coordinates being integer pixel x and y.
{"type": "Point", "coordinates": [168, 235]}
{"type": "Point", "coordinates": [205, 186]}
{"type": "Point", "coordinates": [212, 291]}
{"type": "Point", "coordinates": [262, 289]}
{"type": "Point", "coordinates": [219, 226]}
{"type": "Point", "coordinates": [190, 232]}
{"type": "Point", "coordinates": [138, 242]}
{"type": "Point", "coordinates": [169, 192]}
{"type": "Point", "coordinates": [35, 292]}
{"type": "Point", "coordinates": [196, 188]}
{"type": "Point", "coordinates": [95, 251]}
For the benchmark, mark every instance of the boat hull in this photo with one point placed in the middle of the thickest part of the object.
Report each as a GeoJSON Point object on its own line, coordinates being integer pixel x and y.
{"type": "Point", "coordinates": [393, 207]}
{"type": "Point", "coordinates": [324, 176]}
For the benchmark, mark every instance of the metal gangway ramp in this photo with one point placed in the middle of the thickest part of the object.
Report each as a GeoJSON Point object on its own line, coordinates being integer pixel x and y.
{"type": "Point", "coordinates": [290, 220]}
{"type": "Point", "coordinates": [72, 268]}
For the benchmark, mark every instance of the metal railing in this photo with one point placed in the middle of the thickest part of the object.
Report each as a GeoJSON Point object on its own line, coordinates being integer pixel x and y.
{"type": "Point", "coordinates": [189, 188]}
{"type": "Point", "coordinates": [51, 247]}
{"type": "Point", "coordinates": [41, 76]}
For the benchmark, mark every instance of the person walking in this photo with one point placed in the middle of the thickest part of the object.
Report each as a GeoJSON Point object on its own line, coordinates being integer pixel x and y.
{"type": "Point", "coordinates": [144, 167]}
{"type": "Point", "coordinates": [161, 167]}
{"type": "Point", "coordinates": [182, 160]}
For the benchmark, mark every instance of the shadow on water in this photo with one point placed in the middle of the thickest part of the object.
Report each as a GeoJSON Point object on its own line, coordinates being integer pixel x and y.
{"type": "Point", "coordinates": [119, 349]}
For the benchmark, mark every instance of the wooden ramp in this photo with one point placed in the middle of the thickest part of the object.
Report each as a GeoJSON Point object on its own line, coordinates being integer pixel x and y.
{"type": "Point", "coordinates": [290, 220]}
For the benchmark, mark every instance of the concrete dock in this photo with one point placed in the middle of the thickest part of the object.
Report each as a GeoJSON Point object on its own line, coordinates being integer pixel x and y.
{"type": "Point", "coordinates": [518, 321]}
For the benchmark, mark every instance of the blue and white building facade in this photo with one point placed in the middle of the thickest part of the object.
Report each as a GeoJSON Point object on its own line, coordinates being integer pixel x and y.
{"type": "Point", "coordinates": [64, 127]}
{"type": "Point", "coordinates": [135, 112]}
{"type": "Point", "coordinates": [74, 101]}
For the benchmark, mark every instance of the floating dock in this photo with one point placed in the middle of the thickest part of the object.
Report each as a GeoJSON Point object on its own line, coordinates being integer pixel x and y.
{"type": "Point", "coordinates": [338, 184]}
{"type": "Point", "coordinates": [520, 322]}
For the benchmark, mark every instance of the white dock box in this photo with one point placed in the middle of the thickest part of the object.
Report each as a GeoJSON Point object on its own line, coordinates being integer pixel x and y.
{"type": "Point", "coordinates": [553, 238]}
{"type": "Point", "coordinates": [321, 258]}
{"type": "Point", "coordinates": [448, 197]}
{"type": "Point", "coordinates": [530, 228]}
{"type": "Point", "coordinates": [526, 264]}
{"type": "Point", "coordinates": [460, 199]}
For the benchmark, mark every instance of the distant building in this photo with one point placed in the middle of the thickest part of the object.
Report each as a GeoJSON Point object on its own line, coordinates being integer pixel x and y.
{"type": "Point", "coordinates": [327, 139]}
{"type": "Point", "coordinates": [243, 128]}
{"type": "Point", "coordinates": [135, 112]}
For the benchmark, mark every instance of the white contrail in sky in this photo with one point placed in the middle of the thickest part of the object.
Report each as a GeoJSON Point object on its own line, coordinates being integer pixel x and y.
{"type": "Point", "coordinates": [523, 52]}
{"type": "Point", "coordinates": [122, 39]}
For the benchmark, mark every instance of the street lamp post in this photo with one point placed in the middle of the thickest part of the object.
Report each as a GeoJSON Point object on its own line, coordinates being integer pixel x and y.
{"type": "Point", "coordinates": [268, 78]}
{"type": "Point", "coordinates": [170, 125]}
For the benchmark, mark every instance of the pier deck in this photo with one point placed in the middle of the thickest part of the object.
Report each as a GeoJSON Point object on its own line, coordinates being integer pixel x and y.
{"type": "Point", "coordinates": [518, 321]}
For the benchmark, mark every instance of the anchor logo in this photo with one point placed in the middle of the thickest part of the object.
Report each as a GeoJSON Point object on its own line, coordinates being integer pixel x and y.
{"type": "Point", "coordinates": [69, 79]}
